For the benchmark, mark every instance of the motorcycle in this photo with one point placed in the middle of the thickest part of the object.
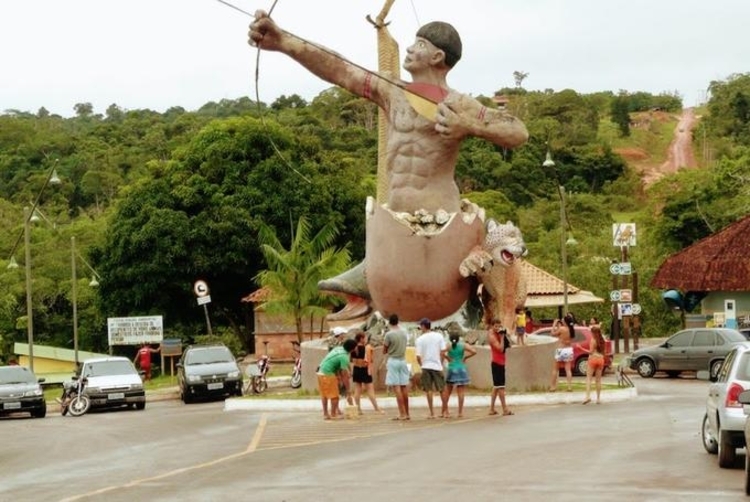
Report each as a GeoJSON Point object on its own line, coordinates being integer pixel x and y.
{"type": "Point", "coordinates": [73, 400]}
{"type": "Point", "coordinates": [296, 381]}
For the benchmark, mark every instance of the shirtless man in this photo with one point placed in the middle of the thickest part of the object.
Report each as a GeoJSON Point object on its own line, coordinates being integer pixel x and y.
{"type": "Point", "coordinates": [421, 157]}
{"type": "Point", "coordinates": [563, 354]}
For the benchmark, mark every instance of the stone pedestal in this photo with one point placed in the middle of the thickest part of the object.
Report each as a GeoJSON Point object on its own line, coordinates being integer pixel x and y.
{"type": "Point", "coordinates": [528, 368]}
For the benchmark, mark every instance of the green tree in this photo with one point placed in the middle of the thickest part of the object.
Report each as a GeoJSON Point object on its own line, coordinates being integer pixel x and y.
{"type": "Point", "coordinates": [292, 275]}
{"type": "Point", "coordinates": [620, 113]}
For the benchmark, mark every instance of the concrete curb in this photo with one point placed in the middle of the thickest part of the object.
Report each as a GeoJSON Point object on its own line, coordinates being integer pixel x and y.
{"type": "Point", "coordinates": [418, 400]}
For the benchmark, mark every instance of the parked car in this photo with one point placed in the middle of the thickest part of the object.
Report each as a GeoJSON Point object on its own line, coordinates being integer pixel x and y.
{"type": "Point", "coordinates": [20, 392]}
{"type": "Point", "coordinates": [113, 382]}
{"type": "Point", "coordinates": [744, 399]}
{"type": "Point", "coordinates": [582, 340]}
{"type": "Point", "coordinates": [745, 332]}
{"type": "Point", "coordinates": [208, 371]}
{"type": "Point", "coordinates": [723, 428]}
{"type": "Point", "coordinates": [692, 349]}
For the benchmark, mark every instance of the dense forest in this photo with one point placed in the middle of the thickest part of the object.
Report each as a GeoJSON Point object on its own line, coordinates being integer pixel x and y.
{"type": "Point", "coordinates": [158, 200]}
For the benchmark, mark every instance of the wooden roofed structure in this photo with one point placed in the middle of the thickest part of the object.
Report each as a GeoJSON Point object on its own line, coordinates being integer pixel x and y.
{"type": "Point", "coordinates": [719, 262]}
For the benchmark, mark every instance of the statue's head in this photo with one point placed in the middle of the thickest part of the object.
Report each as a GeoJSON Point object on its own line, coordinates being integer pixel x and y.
{"type": "Point", "coordinates": [504, 242]}
{"type": "Point", "coordinates": [445, 37]}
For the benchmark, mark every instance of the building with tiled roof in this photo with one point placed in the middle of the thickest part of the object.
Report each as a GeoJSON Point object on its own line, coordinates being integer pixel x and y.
{"type": "Point", "coordinates": [716, 270]}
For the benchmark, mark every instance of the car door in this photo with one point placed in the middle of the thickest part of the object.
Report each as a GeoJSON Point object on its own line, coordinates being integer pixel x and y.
{"type": "Point", "coordinates": [702, 349]}
{"type": "Point", "coordinates": [717, 389]}
{"type": "Point", "coordinates": [674, 355]}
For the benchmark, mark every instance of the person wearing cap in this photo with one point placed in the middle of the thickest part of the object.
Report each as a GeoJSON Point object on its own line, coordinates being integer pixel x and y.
{"type": "Point", "coordinates": [430, 350]}
{"type": "Point", "coordinates": [417, 261]}
{"type": "Point", "coordinates": [396, 370]}
{"type": "Point", "coordinates": [333, 372]}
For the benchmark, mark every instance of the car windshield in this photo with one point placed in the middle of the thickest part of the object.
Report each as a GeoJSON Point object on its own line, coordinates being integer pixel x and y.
{"type": "Point", "coordinates": [104, 368]}
{"type": "Point", "coordinates": [16, 374]}
{"type": "Point", "coordinates": [208, 356]}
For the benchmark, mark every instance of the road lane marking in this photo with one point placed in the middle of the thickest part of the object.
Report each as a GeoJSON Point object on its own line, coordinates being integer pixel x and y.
{"type": "Point", "coordinates": [136, 482]}
{"type": "Point", "coordinates": [258, 433]}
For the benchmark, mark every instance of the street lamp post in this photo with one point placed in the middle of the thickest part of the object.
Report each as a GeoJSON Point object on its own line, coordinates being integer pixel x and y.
{"type": "Point", "coordinates": [563, 251]}
{"type": "Point", "coordinates": [564, 241]}
{"type": "Point", "coordinates": [29, 310]}
{"type": "Point", "coordinates": [74, 297]}
{"type": "Point", "coordinates": [28, 216]}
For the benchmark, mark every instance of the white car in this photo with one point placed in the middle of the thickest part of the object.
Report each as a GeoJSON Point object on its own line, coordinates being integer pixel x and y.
{"type": "Point", "coordinates": [744, 398]}
{"type": "Point", "coordinates": [113, 381]}
{"type": "Point", "coordinates": [723, 428]}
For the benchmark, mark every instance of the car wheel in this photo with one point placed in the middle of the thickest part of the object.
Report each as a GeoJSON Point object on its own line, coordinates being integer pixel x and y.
{"type": "Point", "coordinates": [727, 452]}
{"type": "Point", "coordinates": [709, 441]}
{"type": "Point", "coordinates": [39, 412]}
{"type": "Point", "coordinates": [140, 406]}
{"type": "Point", "coordinates": [185, 396]}
{"type": "Point", "coordinates": [747, 474]}
{"type": "Point", "coordinates": [645, 367]}
{"type": "Point", "coordinates": [715, 368]}
{"type": "Point", "coordinates": [582, 365]}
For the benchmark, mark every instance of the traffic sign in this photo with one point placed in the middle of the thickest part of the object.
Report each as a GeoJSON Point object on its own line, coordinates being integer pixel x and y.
{"type": "Point", "coordinates": [626, 295]}
{"type": "Point", "coordinates": [636, 308]}
{"type": "Point", "coordinates": [614, 269]}
{"type": "Point", "coordinates": [614, 295]}
{"type": "Point", "coordinates": [202, 300]}
{"type": "Point", "coordinates": [200, 288]}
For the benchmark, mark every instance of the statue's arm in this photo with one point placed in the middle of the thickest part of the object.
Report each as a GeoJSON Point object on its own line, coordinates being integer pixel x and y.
{"type": "Point", "coordinates": [466, 116]}
{"type": "Point", "coordinates": [319, 60]}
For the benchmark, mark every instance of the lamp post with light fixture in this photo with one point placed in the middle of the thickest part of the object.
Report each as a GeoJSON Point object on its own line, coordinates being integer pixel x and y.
{"type": "Point", "coordinates": [74, 290]}
{"type": "Point", "coordinates": [29, 216]}
{"type": "Point", "coordinates": [565, 240]}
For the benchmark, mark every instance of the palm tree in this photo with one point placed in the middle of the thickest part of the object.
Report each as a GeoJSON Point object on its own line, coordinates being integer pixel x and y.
{"type": "Point", "coordinates": [292, 275]}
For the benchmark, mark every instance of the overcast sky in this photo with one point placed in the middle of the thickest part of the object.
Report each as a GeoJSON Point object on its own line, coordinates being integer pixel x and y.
{"type": "Point", "coordinates": [161, 53]}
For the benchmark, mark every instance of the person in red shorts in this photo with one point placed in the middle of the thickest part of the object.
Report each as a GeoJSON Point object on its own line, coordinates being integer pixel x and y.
{"type": "Point", "coordinates": [595, 365]}
{"type": "Point", "coordinates": [143, 359]}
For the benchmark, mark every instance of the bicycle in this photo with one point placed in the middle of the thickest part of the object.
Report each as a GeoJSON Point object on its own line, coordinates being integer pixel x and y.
{"type": "Point", "coordinates": [257, 375]}
{"type": "Point", "coordinates": [296, 381]}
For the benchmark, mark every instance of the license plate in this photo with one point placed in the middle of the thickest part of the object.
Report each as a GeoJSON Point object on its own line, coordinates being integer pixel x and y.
{"type": "Point", "coordinates": [115, 395]}
{"type": "Point", "coordinates": [215, 386]}
{"type": "Point", "coordinates": [12, 406]}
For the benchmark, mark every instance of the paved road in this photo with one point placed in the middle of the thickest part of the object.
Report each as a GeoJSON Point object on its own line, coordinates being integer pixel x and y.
{"type": "Point", "coordinates": [645, 449]}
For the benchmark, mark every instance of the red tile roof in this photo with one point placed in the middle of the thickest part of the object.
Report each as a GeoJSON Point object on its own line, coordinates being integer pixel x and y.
{"type": "Point", "coordinates": [719, 262]}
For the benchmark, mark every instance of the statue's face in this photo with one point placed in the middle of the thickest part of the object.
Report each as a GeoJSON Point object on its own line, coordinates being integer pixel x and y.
{"type": "Point", "coordinates": [421, 55]}
{"type": "Point", "coordinates": [504, 242]}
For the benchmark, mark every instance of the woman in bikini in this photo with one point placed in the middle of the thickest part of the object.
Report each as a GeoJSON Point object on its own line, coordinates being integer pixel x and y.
{"type": "Point", "coordinates": [595, 365]}
{"type": "Point", "coordinates": [362, 372]}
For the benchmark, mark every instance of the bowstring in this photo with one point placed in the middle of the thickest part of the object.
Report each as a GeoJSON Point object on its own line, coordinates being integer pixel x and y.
{"type": "Point", "coordinates": [261, 114]}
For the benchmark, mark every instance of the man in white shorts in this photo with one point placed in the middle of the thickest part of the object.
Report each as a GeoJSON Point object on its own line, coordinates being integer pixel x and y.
{"type": "Point", "coordinates": [563, 354]}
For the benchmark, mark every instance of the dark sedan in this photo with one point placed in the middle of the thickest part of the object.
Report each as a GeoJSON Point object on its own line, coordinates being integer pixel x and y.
{"type": "Point", "coordinates": [208, 371]}
{"type": "Point", "coordinates": [20, 392]}
{"type": "Point", "coordinates": [692, 349]}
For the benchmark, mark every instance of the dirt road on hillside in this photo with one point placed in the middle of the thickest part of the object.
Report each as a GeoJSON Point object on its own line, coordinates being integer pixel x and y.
{"type": "Point", "coordinates": [680, 154]}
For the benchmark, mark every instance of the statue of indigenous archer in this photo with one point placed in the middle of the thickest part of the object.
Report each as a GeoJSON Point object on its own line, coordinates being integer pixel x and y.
{"type": "Point", "coordinates": [419, 231]}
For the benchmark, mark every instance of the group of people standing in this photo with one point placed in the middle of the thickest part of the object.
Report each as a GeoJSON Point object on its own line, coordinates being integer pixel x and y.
{"type": "Point", "coordinates": [443, 367]}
